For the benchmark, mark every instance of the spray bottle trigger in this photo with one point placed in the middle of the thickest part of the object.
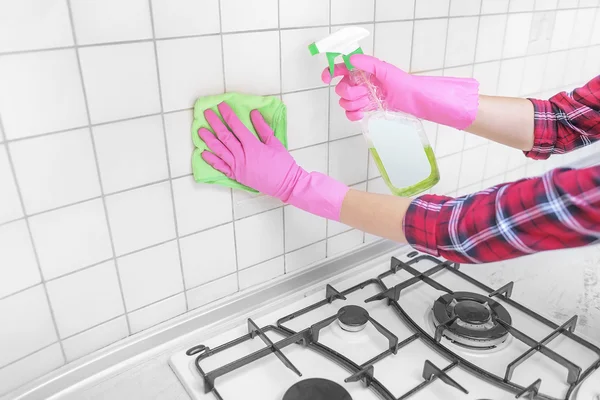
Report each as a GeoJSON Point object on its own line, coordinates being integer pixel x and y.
{"type": "Point", "coordinates": [346, 58]}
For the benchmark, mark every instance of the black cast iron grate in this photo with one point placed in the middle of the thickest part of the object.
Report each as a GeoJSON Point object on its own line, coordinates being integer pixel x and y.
{"type": "Point", "coordinates": [365, 372]}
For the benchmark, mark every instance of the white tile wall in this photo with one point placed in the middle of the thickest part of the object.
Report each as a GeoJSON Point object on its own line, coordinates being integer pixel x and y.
{"type": "Point", "coordinates": [96, 99]}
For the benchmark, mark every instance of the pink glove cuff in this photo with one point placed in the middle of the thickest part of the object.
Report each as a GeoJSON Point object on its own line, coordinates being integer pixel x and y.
{"type": "Point", "coordinates": [447, 101]}
{"type": "Point", "coordinates": [318, 194]}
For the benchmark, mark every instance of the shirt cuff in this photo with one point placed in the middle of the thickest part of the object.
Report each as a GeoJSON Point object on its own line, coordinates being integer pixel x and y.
{"type": "Point", "coordinates": [420, 223]}
{"type": "Point", "coordinates": [544, 120]}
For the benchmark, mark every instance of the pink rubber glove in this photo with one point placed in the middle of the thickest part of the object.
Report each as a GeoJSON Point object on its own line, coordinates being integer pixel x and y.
{"type": "Point", "coordinates": [266, 165]}
{"type": "Point", "coordinates": [444, 100]}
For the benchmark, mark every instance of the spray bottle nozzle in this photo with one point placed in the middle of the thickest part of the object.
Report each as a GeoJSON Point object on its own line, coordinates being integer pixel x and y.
{"type": "Point", "coordinates": [341, 43]}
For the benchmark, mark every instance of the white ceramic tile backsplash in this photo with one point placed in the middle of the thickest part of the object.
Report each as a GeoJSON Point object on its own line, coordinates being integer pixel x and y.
{"type": "Point", "coordinates": [97, 199]}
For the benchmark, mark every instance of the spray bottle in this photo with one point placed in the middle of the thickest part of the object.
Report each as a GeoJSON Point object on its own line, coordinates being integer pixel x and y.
{"type": "Point", "coordinates": [396, 140]}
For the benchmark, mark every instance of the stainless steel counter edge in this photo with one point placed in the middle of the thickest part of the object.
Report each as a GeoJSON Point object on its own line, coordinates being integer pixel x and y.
{"type": "Point", "coordinates": [73, 373]}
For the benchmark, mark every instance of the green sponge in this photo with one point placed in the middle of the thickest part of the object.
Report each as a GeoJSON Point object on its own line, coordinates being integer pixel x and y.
{"type": "Point", "coordinates": [272, 109]}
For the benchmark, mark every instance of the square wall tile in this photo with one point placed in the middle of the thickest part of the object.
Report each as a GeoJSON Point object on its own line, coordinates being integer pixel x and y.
{"type": "Point", "coordinates": [26, 324]}
{"type": "Point", "coordinates": [429, 43]}
{"type": "Point", "coordinates": [392, 10]}
{"type": "Point", "coordinates": [516, 39]}
{"type": "Point", "coordinates": [10, 205]}
{"type": "Point", "coordinates": [393, 43]}
{"type": "Point", "coordinates": [307, 116]}
{"type": "Point", "coordinates": [595, 39]}
{"type": "Point", "coordinates": [352, 11]}
{"type": "Point", "coordinates": [459, 72]}
{"type": "Point", "coordinates": [252, 62]}
{"type": "Point", "coordinates": [18, 267]}
{"type": "Point", "coordinates": [521, 5]}
{"type": "Point", "coordinates": [555, 69]}
{"type": "Point", "coordinates": [449, 141]}
{"type": "Point", "coordinates": [64, 170]}
{"type": "Point", "coordinates": [540, 35]}
{"type": "Point", "coordinates": [344, 242]}
{"type": "Point", "coordinates": [71, 238]}
{"type": "Point", "coordinates": [52, 79]}
{"type": "Point", "coordinates": [339, 125]}
{"type": "Point", "coordinates": [574, 68]}
{"type": "Point", "coordinates": [496, 160]}
{"type": "Point", "coordinates": [462, 36]}
{"type": "Point", "coordinates": [208, 255]}
{"type": "Point", "coordinates": [157, 313]}
{"type": "Point", "coordinates": [212, 291]}
{"type": "Point", "coordinates": [131, 153]}
{"type": "Point", "coordinates": [246, 15]}
{"type": "Point", "coordinates": [491, 37]}
{"type": "Point", "coordinates": [471, 170]}
{"type": "Point", "coordinates": [302, 228]}
{"type": "Point", "coordinates": [246, 204]}
{"type": "Point", "coordinates": [185, 17]}
{"type": "Point", "coordinates": [150, 275]}
{"type": "Point", "coordinates": [312, 158]}
{"type": "Point", "coordinates": [378, 186]}
{"type": "Point", "coordinates": [432, 8]}
{"type": "Point", "coordinates": [140, 218]}
{"type": "Point", "coordinates": [487, 76]}
{"type": "Point", "coordinates": [532, 75]}
{"type": "Point", "coordinates": [259, 238]}
{"type": "Point", "coordinates": [96, 338]}
{"type": "Point", "coordinates": [305, 256]}
{"type": "Point", "coordinates": [120, 81]}
{"type": "Point", "coordinates": [102, 21]}
{"type": "Point", "coordinates": [178, 129]}
{"type": "Point", "coordinates": [431, 129]}
{"type": "Point", "coordinates": [511, 76]}
{"type": "Point", "coordinates": [293, 14]}
{"type": "Point", "coordinates": [200, 206]}
{"type": "Point", "coordinates": [567, 3]}
{"type": "Point", "coordinates": [592, 63]}
{"type": "Point", "coordinates": [546, 4]}
{"type": "Point", "coordinates": [31, 367]}
{"type": "Point", "coordinates": [261, 273]}
{"type": "Point", "coordinates": [300, 70]}
{"type": "Point", "coordinates": [563, 27]}
{"type": "Point", "coordinates": [97, 294]}
{"type": "Point", "coordinates": [494, 6]}
{"type": "Point", "coordinates": [464, 7]}
{"type": "Point", "coordinates": [472, 141]}
{"type": "Point", "coordinates": [516, 174]}
{"type": "Point", "coordinates": [449, 174]}
{"type": "Point", "coordinates": [584, 25]}
{"type": "Point", "coordinates": [23, 29]}
{"type": "Point", "coordinates": [187, 73]}
{"type": "Point", "coordinates": [348, 160]}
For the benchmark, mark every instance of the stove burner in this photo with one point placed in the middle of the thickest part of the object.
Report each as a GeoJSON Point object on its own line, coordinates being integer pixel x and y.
{"type": "Point", "coordinates": [316, 389]}
{"type": "Point", "coordinates": [352, 318]}
{"type": "Point", "coordinates": [474, 316]}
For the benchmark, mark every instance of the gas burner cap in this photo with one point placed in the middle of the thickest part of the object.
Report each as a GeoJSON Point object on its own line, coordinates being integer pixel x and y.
{"type": "Point", "coordinates": [475, 316]}
{"type": "Point", "coordinates": [316, 389]}
{"type": "Point", "coordinates": [352, 318]}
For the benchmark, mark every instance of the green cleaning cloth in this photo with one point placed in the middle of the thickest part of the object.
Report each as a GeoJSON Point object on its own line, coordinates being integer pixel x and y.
{"type": "Point", "coordinates": [272, 109]}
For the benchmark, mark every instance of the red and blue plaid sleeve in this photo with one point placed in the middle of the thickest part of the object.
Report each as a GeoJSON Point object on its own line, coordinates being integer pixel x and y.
{"type": "Point", "coordinates": [558, 210]}
{"type": "Point", "coordinates": [567, 121]}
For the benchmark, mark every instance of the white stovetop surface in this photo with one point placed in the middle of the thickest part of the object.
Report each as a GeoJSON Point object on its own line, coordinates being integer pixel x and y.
{"type": "Point", "coordinates": [152, 378]}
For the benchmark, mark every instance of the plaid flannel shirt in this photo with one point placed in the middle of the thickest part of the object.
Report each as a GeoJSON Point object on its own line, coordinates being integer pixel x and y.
{"type": "Point", "coordinates": [558, 210]}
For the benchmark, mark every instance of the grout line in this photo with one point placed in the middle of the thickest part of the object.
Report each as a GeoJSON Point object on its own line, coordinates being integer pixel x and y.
{"type": "Point", "coordinates": [126, 42]}
{"type": "Point", "coordinates": [412, 38]}
{"type": "Point", "coordinates": [281, 98]}
{"type": "Point", "coordinates": [34, 249]}
{"type": "Point", "coordinates": [97, 164]}
{"type": "Point", "coordinates": [231, 195]}
{"type": "Point", "coordinates": [214, 280]}
{"type": "Point", "coordinates": [166, 143]}
{"type": "Point", "coordinates": [329, 130]}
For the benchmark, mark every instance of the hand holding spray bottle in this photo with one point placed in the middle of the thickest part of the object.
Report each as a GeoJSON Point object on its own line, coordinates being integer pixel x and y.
{"type": "Point", "coordinates": [396, 140]}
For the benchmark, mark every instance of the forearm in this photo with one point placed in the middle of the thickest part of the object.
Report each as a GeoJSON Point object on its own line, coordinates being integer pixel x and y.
{"type": "Point", "coordinates": [505, 120]}
{"type": "Point", "coordinates": [378, 214]}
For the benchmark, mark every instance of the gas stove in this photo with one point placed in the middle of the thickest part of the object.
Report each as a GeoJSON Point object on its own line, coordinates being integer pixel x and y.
{"type": "Point", "coordinates": [415, 328]}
